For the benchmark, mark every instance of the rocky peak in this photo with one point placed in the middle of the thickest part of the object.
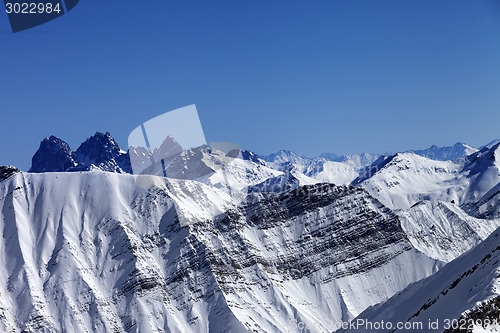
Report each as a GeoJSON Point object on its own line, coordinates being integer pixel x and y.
{"type": "Point", "coordinates": [54, 155]}
{"type": "Point", "coordinates": [97, 149]}
{"type": "Point", "coordinates": [98, 152]}
{"type": "Point", "coordinates": [284, 156]}
{"type": "Point", "coordinates": [251, 156]}
{"type": "Point", "coordinates": [102, 152]}
{"type": "Point", "coordinates": [483, 159]}
{"type": "Point", "coordinates": [168, 148]}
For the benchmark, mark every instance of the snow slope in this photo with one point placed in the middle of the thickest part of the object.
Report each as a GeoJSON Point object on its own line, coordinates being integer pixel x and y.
{"type": "Point", "coordinates": [97, 251]}
{"type": "Point", "coordinates": [331, 172]}
{"type": "Point", "coordinates": [442, 230]}
{"type": "Point", "coordinates": [94, 252]}
{"type": "Point", "coordinates": [405, 179]}
{"type": "Point", "coordinates": [459, 290]}
{"type": "Point", "coordinates": [488, 206]}
{"type": "Point", "coordinates": [402, 180]}
{"type": "Point", "coordinates": [446, 207]}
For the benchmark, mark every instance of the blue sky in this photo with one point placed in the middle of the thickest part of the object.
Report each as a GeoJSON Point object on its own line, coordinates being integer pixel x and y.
{"type": "Point", "coordinates": [310, 76]}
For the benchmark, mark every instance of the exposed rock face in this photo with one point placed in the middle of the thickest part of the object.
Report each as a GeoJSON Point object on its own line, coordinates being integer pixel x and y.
{"type": "Point", "coordinates": [94, 252]}
{"type": "Point", "coordinates": [7, 171]}
{"type": "Point", "coordinates": [101, 151]}
{"type": "Point", "coordinates": [54, 155]}
{"type": "Point", "coordinates": [250, 156]}
{"type": "Point", "coordinates": [98, 152]}
{"type": "Point", "coordinates": [326, 239]}
{"type": "Point", "coordinates": [486, 315]}
{"type": "Point", "coordinates": [446, 207]}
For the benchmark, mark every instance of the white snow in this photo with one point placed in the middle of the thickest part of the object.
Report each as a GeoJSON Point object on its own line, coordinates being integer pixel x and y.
{"type": "Point", "coordinates": [457, 288]}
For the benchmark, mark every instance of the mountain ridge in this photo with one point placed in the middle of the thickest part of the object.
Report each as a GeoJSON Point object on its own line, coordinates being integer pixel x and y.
{"type": "Point", "coordinates": [264, 244]}
{"type": "Point", "coordinates": [101, 151]}
{"type": "Point", "coordinates": [102, 254]}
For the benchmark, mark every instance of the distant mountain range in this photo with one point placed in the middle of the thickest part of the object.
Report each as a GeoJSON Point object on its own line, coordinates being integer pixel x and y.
{"type": "Point", "coordinates": [446, 153]}
{"type": "Point", "coordinates": [362, 160]}
{"type": "Point", "coordinates": [102, 152]}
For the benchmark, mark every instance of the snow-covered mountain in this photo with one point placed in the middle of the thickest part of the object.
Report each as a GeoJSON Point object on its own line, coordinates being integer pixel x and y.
{"type": "Point", "coordinates": [446, 207]}
{"type": "Point", "coordinates": [488, 206]}
{"type": "Point", "coordinates": [233, 242]}
{"type": "Point", "coordinates": [490, 144]}
{"type": "Point", "coordinates": [284, 156]}
{"type": "Point", "coordinates": [429, 196]}
{"type": "Point", "coordinates": [461, 297]}
{"type": "Point", "coordinates": [93, 251]}
{"type": "Point", "coordinates": [103, 153]}
{"type": "Point", "coordinates": [442, 230]}
{"type": "Point", "coordinates": [356, 161]}
{"type": "Point", "coordinates": [344, 169]}
{"type": "Point", "coordinates": [404, 179]}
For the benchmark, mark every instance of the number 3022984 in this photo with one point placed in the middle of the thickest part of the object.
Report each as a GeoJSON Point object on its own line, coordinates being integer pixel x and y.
{"type": "Point", "coordinates": [32, 8]}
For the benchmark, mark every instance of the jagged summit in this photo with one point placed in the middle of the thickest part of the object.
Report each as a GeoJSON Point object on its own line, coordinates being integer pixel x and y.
{"type": "Point", "coordinates": [97, 149]}
{"type": "Point", "coordinates": [54, 155]}
{"type": "Point", "coordinates": [100, 151]}
{"type": "Point", "coordinates": [284, 156]}
{"type": "Point", "coordinates": [251, 156]}
{"type": "Point", "coordinates": [169, 148]}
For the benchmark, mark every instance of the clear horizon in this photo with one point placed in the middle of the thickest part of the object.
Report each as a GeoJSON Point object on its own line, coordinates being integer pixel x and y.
{"type": "Point", "coordinates": [263, 155]}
